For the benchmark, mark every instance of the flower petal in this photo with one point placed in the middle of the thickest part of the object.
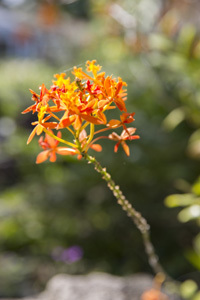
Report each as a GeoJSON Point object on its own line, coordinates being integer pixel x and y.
{"type": "Point", "coordinates": [113, 123]}
{"type": "Point", "coordinates": [39, 129]}
{"type": "Point", "coordinates": [52, 155]}
{"type": "Point", "coordinates": [117, 146]}
{"type": "Point", "coordinates": [31, 136]}
{"type": "Point", "coordinates": [114, 136]}
{"type": "Point", "coordinates": [127, 118]}
{"type": "Point", "coordinates": [50, 140]}
{"type": "Point", "coordinates": [42, 156]}
{"type": "Point", "coordinates": [102, 103]}
{"type": "Point", "coordinates": [118, 87]}
{"type": "Point", "coordinates": [126, 148]}
{"type": "Point", "coordinates": [30, 108]}
{"type": "Point", "coordinates": [102, 117]}
{"type": "Point", "coordinates": [43, 91]}
{"type": "Point", "coordinates": [134, 137]}
{"type": "Point", "coordinates": [66, 121]}
{"type": "Point", "coordinates": [91, 119]}
{"type": "Point", "coordinates": [128, 132]}
{"type": "Point", "coordinates": [65, 151]}
{"type": "Point", "coordinates": [96, 147]}
{"type": "Point", "coordinates": [107, 85]}
{"type": "Point", "coordinates": [77, 123]}
{"type": "Point", "coordinates": [120, 104]}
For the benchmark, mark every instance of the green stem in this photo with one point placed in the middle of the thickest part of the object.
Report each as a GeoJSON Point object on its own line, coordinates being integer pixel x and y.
{"type": "Point", "coordinates": [59, 139]}
{"type": "Point", "coordinates": [137, 218]}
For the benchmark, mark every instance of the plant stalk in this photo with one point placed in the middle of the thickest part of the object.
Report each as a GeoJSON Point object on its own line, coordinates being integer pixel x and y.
{"type": "Point", "coordinates": [137, 218]}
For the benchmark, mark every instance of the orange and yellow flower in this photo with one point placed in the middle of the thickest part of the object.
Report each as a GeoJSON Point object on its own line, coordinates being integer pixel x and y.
{"type": "Point", "coordinates": [80, 106]}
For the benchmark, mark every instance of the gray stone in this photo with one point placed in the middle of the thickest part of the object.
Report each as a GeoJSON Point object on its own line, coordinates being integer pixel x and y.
{"type": "Point", "coordinates": [95, 286]}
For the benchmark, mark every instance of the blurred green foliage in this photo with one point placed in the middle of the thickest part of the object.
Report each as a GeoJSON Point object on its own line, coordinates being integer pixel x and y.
{"type": "Point", "coordinates": [47, 206]}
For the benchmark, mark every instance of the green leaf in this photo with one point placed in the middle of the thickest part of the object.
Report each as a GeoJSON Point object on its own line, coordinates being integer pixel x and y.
{"type": "Point", "coordinates": [188, 288]}
{"type": "Point", "coordinates": [190, 213]}
{"type": "Point", "coordinates": [196, 187]}
{"type": "Point", "coordinates": [182, 200]}
{"type": "Point", "coordinates": [194, 258]}
{"type": "Point", "coordinates": [174, 118]}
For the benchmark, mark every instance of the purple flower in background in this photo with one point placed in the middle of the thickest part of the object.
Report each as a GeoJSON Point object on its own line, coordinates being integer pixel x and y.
{"type": "Point", "coordinates": [72, 254]}
{"type": "Point", "coordinates": [68, 255]}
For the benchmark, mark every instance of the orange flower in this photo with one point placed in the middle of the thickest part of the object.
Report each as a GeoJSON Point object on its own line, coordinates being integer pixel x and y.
{"type": "Point", "coordinates": [35, 97]}
{"type": "Point", "coordinates": [38, 99]}
{"type": "Point", "coordinates": [153, 294]}
{"type": "Point", "coordinates": [92, 67]}
{"type": "Point", "coordinates": [125, 135]}
{"type": "Point", "coordinates": [50, 146]}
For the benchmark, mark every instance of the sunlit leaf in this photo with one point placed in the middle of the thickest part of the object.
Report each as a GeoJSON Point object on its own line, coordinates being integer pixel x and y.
{"type": "Point", "coordinates": [188, 288]}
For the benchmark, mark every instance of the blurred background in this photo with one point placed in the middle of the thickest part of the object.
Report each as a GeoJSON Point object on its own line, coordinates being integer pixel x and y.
{"type": "Point", "coordinates": [61, 217]}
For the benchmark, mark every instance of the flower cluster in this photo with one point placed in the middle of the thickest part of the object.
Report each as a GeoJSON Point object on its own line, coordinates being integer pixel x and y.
{"type": "Point", "coordinates": [79, 106]}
